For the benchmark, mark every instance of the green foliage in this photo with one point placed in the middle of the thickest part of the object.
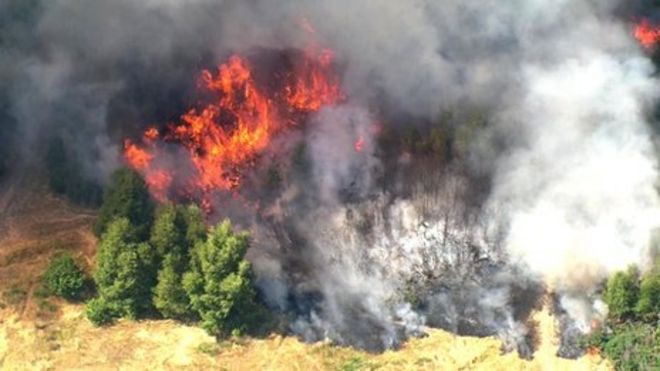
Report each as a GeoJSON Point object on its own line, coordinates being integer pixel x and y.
{"type": "Point", "coordinates": [219, 282]}
{"type": "Point", "coordinates": [168, 234]}
{"type": "Point", "coordinates": [633, 347]}
{"type": "Point", "coordinates": [175, 231]}
{"type": "Point", "coordinates": [621, 294]}
{"type": "Point", "coordinates": [170, 298]}
{"type": "Point", "coordinates": [64, 176]}
{"type": "Point", "coordinates": [648, 306]}
{"type": "Point", "coordinates": [124, 276]}
{"type": "Point", "coordinates": [64, 278]}
{"type": "Point", "coordinates": [101, 312]}
{"type": "Point", "coordinates": [628, 342]}
{"type": "Point", "coordinates": [127, 197]}
{"type": "Point", "coordinates": [195, 225]}
{"type": "Point", "coordinates": [354, 364]}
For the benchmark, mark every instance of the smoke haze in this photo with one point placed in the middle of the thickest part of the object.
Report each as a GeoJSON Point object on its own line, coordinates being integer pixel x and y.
{"type": "Point", "coordinates": [554, 190]}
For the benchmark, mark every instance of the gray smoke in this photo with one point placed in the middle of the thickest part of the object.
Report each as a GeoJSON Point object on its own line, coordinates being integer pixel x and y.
{"type": "Point", "coordinates": [555, 189]}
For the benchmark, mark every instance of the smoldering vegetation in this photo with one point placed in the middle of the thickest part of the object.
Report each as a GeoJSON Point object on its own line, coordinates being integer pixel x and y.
{"type": "Point", "coordinates": [508, 149]}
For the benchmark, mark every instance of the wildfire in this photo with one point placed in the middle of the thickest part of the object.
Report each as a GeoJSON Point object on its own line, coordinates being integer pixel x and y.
{"type": "Point", "coordinates": [647, 34]}
{"type": "Point", "coordinates": [224, 138]}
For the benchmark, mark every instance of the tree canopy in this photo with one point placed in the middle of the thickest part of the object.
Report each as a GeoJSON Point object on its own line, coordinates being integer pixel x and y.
{"type": "Point", "coordinates": [127, 197]}
{"type": "Point", "coordinates": [219, 282]}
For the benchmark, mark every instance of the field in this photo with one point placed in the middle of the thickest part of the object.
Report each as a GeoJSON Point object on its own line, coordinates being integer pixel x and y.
{"type": "Point", "coordinates": [42, 333]}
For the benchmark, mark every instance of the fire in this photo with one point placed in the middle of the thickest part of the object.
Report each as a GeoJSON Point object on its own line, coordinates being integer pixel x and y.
{"type": "Point", "coordinates": [647, 34]}
{"type": "Point", "coordinates": [224, 138]}
{"type": "Point", "coordinates": [311, 90]}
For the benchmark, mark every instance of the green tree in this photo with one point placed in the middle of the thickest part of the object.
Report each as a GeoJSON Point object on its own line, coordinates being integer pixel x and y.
{"type": "Point", "coordinates": [634, 347]}
{"type": "Point", "coordinates": [621, 294]}
{"type": "Point", "coordinates": [64, 277]}
{"type": "Point", "coordinates": [648, 305]}
{"type": "Point", "coordinates": [123, 276]}
{"type": "Point", "coordinates": [195, 225]}
{"type": "Point", "coordinates": [127, 197]}
{"type": "Point", "coordinates": [219, 282]}
{"type": "Point", "coordinates": [169, 238]}
{"type": "Point", "coordinates": [170, 298]}
{"type": "Point", "coordinates": [169, 230]}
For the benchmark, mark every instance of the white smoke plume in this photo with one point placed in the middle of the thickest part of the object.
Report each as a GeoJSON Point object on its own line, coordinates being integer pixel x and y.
{"type": "Point", "coordinates": [556, 189]}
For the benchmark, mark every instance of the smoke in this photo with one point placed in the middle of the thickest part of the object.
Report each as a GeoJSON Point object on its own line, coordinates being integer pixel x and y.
{"type": "Point", "coordinates": [554, 190]}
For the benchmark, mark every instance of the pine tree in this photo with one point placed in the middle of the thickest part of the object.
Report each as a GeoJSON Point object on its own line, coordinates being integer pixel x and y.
{"type": "Point", "coordinates": [219, 282]}
{"type": "Point", "coordinates": [127, 197]}
{"type": "Point", "coordinates": [168, 237]}
{"type": "Point", "coordinates": [123, 277]}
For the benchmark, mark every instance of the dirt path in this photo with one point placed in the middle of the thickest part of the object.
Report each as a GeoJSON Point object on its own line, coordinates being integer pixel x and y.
{"type": "Point", "coordinates": [35, 225]}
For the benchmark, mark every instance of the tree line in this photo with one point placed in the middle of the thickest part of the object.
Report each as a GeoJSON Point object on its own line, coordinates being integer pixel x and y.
{"type": "Point", "coordinates": [630, 337]}
{"type": "Point", "coordinates": [163, 261]}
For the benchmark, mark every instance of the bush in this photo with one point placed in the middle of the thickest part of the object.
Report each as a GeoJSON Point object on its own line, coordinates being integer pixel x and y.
{"type": "Point", "coordinates": [64, 278]}
{"type": "Point", "coordinates": [101, 312]}
{"type": "Point", "coordinates": [219, 283]}
{"type": "Point", "coordinates": [621, 294]}
{"type": "Point", "coordinates": [634, 347]}
{"type": "Point", "coordinates": [648, 306]}
{"type": "Point", "coordinates": [127, 197]}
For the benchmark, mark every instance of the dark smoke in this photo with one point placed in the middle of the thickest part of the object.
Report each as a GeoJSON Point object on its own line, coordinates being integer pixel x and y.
{"type": "Point", "coordinates": [546, 182]}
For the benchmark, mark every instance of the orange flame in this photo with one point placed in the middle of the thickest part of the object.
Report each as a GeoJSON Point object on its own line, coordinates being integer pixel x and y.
{"type": "Point", "coordinates": [224, 138]}
{"type": "Point", "coordinates": [647, 34]}
{"type": "Point", "coordinates": [311, 89]}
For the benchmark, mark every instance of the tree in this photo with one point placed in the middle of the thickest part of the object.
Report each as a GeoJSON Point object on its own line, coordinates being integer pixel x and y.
{"type": "Point", "coordinates": [169, 230]}
{"type": "Point", "coordinates": [195, 225]}
{"type": "Point", "coordinates": [124, 274]}
{"type": "Point", "coordinates": [219, 282]}
{"type": "Point", "coordinates": [64, 278]}
{"type": "Point", "coordinates": [648, 305]}
{"type": "Point", "coordinates": [634, 347]}
{"type": "Point", "coordinates": [169, 238]}
{"type": "Point", "coordinates": [170, 298]}
{"type": "Point", "coordinates": [621, 294]}
{"type": "Point", "coordinates": [127, 197]}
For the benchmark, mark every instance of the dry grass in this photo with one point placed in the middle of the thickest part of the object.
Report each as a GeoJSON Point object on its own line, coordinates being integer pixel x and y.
{"type": "Point", "coordinates": [38, 333]}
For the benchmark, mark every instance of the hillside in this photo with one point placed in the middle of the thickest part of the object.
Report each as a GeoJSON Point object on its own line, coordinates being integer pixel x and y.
{"type": "Point", "coordinates": [46, 333]}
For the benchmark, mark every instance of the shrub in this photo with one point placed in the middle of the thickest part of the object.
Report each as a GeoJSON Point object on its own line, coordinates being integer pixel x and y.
{"type": "Point", "coordinates": [621, 294]}
{"type": "Point", "coordinates": [101, 312]}
{"type": "Point", "coordinates": [648, 306]}
{"type": "Point", "coordinates": [64, 277]}
{"type": "Point", "coordinates": [634, 347]}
